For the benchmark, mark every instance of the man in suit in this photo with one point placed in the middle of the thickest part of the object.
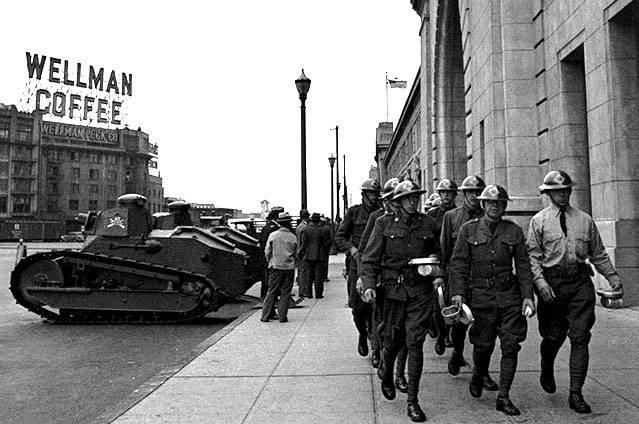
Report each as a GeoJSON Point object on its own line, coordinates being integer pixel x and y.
{"type": "Point", "coordinates": [314, 244]}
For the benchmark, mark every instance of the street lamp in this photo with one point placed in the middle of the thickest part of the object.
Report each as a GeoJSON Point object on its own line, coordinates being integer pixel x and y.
{"type": "Point", "coordinates": [331, 161]}
{"type": "Point", "coordinates": [303, 84]}
{"type": "Point", "coordinates": [337, 169]}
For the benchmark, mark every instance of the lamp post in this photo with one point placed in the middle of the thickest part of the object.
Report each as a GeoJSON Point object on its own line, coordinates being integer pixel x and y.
{"type": "Point", "coordinates": [303, 84]}
{"type": "Point", "coordinates": [345, 188]}
{"type": "Point", "coordinates": [337, 172]}
{"type": "Point", "coordinates": [331, 161]}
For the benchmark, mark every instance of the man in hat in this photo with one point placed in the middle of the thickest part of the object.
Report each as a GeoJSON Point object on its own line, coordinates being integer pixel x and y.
{"type": "Point", "coordinates": [302, 291]}
{"type": "Point", "coordinates": [408, 296]}
{"type": "Point", "coordinates": [279, 252]}
{"type": "Point", "coordinates": [560, 240]}
{"type": "Point", "coordinates": [313, 247]}
{"type": "Point", "coordinates": [481, 274]}
{"type": "Point", "coordinates": [348, 237]}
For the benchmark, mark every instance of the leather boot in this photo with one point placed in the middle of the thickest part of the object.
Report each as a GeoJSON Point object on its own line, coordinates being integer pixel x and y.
{"type": "Point", "coordinates": [578, 404]}
{"type": "Point", "coordinates": [387, 386]}
{"type": "Point", "coordinates": [476, 386]}
{"type": "Point", "coordinates": [375, 358]}
{"type": "Point", "coordinates": [489, 384]}
{"type": "Point", "coordinates": [547, 378]}
{"type": "Point", "coordinates": [401, 384]}
{"type": "Point", "coordinates": [362, 345]}
{"type": "Point", "coordinates": [506, 406]}
{"type": "Point", "coordinates": [455, 362]}
{"type": "Point", "coordinates": [415, 412]}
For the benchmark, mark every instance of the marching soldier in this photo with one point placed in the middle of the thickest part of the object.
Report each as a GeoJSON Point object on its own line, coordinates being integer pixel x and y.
{"type": "Point", "coordinates": [471, 187]}
{"type": "Point", "coordinates": [560, 239]}
{"type": "Point", "coordinates": [348, 238]}
{"type": "Point", "coordinates": [408, 296]}
{"type": "Point", "coordinates": [447, 191]}
{"type": "Point", "coordinates": [481, 274]}
{"type": "Point", "coordinates": [386, 197]}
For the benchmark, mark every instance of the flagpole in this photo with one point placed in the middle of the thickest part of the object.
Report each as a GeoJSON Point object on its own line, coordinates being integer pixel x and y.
{"type": "Point", "coordinates": [386, 96]}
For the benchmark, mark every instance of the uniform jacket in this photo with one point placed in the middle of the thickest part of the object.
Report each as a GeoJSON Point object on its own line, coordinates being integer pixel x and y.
{"type": "Point", "coordinates": [548, 246]}
{"type": "Point", "coordinates": [437, 213]}
{"type": "Point", "coordinates": [451, 224]}
{"type": "Point", "coordinates": [481, 268]}
{"type": "Point", "coordinates": [369, 228]}
{"type": "Point", "coordinates": [280, 249]}
{"type": "Point", "coordinates": [314, 243]}
{"type": "Point", "coordinates": [393, 242]}
{"type": "Point", "coordinates": [351, 229]}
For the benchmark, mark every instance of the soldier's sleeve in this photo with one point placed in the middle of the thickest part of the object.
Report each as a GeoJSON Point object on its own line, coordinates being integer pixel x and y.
{"type": "Point", "coordinates": [459, 267]}
{"type": "Point", "coordinates": [446, 241]}
{"type": "Point", "coordinates": [438, 226]}
{"type": "Point", "coordinates": [367, 231]}
{"type": "Point", "coordinates": [343, 235]}
{"type": "Point", "coordinates": [535, 252]}
{"type": "Point", "coordinates": [435, 248]}
{"type": "Point", "coordinates": [522, 265]}
{"type": "Point", "coordinates": [372, 257]}
{"type": "Point", "coordinates": [597, 252]}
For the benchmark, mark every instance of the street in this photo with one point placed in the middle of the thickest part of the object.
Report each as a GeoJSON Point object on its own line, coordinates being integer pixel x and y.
{"type": "Point", "coordinates": [52, 373]}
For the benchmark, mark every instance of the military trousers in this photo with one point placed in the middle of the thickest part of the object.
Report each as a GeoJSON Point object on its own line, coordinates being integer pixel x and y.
{"type": "Point", "coordinates": [572, 315]}
{"type": "Point", "coordinates": [406, 323]}
{"type": "Point", "coordinates": [362, 311]}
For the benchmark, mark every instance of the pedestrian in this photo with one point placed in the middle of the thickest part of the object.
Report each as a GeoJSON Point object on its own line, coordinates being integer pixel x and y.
{"type": "Point", "coordinates": [408, 296]}
{"type": "Point", "coordinates": [446, 192]}
{"type": "Point", "coordinates": [313, 244]}
{"type": "Point", "coordinates": [270, 226]}
{"type": "Point", "coordinates": [471, 187]}
{"type": "Point", "coordinates": [327, 227]}
{"type": "Point", "coordinates": [386, 197]}
{"type": "Point", "coordinates": [481, 275]}
{"type": "Point", "coordinates": [560, 240]}
{"type": "Point", "coordinates": [348, 238]}
{"type": "Point", "coordinates": [279, 252]}
{"type": "Point", "coordinates": [302, 291]}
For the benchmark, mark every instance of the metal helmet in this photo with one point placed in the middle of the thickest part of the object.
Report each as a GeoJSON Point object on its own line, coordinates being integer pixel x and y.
{"type": "Point", "coordinates": [494, 192]}
{"type": "Point", "coordinates": [179, 206]}
{"type": "Point", "coordinates": [473, 182]}
{"type": "Point", "coordinates": [556, 180]}
{"type": "Point", "coordinates": [437, 201]}
{"type": "Point", "coordinates": [389, 187]}
{"type": "Point", "coordinates": [446, 185]}
{"type": "Point", "coordinates": [371, 185]}
{"type": "Point", "coordinates": [407, 188]}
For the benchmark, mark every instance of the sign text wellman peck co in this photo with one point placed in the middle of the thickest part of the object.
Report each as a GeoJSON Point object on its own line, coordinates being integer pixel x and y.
{"type": "Point", "coordinates": [74, 105]}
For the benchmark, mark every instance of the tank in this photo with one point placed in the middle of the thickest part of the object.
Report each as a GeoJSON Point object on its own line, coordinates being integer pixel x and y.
{"type": "Point", "coordinates": [129, 272]}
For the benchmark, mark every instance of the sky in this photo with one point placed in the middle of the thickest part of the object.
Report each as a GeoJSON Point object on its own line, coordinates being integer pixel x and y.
{"type": "Point", "coordinates": [214, 85]}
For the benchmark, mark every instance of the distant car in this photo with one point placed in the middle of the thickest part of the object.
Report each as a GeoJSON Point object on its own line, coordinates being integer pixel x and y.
{"type": "Point", "coordinates": [73, 236]}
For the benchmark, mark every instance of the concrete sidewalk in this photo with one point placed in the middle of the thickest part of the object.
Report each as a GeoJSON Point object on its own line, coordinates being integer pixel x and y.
{"type": "Point", "coordinates": [308, 371]}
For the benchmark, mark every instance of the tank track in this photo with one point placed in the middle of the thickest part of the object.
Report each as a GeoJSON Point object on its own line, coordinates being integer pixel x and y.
{"type": "Point", "coordinates": [113, 317]}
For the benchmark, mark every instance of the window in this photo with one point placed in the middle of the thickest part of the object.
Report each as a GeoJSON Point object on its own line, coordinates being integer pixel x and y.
{"type": "Point", "coordinates": [94, 174]}
{"type": "Point", "coordinates": [4, 169]}
{"type": "Point", "coordinates": [111, 159]}
{"type": "Point", "coordinates": [4, 131]}
{"type": "Point", "coordinates": [21, 204]}
{"type": "Point", "coordinates": [52, 206]}
{"type": "Point", "coordinates": [112, 190]}
{"type": "Point", "coordinates": [24, 133]}
{"type": "Point", "coordinates": [22, 185]}
{"type": "Point", "coordinates": [4, 184]}
{"type": "Point", "coordinates": [93, 205]}
{"type": "Point", "coordinates": [74, 156]}
{"type": "Point", "coordinates": [94, 158]}
{"type": "Point", "coordinates": [3, 204]}
{"type": "Point", "coordinates": [73, 204]}
{"type": "Point", "coordinates": [24, 152]}
{"type": "Point", "coordinates": [22, 169]}
{"type": "Point", "coordinates": [112, 175]}
{"type": "Point", "coordinates": [52, 187]}
{"type": "Point", "coordinates": [4, 151]}
{"type": "Point", "coordinates": [93, 188]}
{"type": "Point", "coordinates": [74, 188]}
{"type": "Point", "coordinates": [110, 204]}
{"type": "Point", "coordinates": [75, 173]}
{"type": "Point", "coordinates": [53, 170]}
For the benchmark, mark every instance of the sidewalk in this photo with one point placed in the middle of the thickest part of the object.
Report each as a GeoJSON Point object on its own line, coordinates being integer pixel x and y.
{"type": "Point", "coordinates": [308, 371]}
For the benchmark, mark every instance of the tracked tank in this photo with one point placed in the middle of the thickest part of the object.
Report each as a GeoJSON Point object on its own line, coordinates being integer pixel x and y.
{"type": "Point", "coordinates": [129, 272]}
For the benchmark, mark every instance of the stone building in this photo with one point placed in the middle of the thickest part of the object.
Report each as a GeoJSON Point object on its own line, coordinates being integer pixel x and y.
{"type": "Point", "coordinates": [51, 171]}
{"type": "Point", "coordinates": [509, 89]}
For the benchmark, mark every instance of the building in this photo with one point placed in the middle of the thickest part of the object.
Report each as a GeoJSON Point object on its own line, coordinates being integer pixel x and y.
{"type": "Point", "coordinates": [512, 89]}
{"type": "Point", "coordinates": [51, 171]}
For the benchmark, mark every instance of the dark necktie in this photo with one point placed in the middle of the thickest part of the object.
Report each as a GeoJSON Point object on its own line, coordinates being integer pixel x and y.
{"type": "Point", "coordinates": [493, 226]}
{"type": "Point", "coordinates": [562, 221]}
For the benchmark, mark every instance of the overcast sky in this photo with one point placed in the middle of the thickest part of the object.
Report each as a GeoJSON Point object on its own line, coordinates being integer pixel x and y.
{"type": "Point", "coordinates": [213, 84]}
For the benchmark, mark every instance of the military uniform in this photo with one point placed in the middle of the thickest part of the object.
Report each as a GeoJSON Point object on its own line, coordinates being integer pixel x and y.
{"type": "Point", "coordinates": [481, 271]}
{"type": "Point", "coordinates": [408, 296]}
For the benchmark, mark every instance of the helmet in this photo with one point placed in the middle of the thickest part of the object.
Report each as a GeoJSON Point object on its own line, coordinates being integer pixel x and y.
{"type": "Point", "coordinates": [371, 185]}
{"type": "Point", "coordinates": [304, 213]}
{"type": "Point", "coordinates": [179, 206]}
{"type": "Point", "coordinates": [494, 192]}
{"type": "Point", "coordinates": [556, 180]}
{"type": "Point", "coordinates": [437, 201]}
{"type": "Point", "coordinates": [446, 185]}
{"type": "Point", "coordinates": [406, 188]}
{"type": "Point", "coordinates": [389, 187]}
{"type": "Point", "coordinates": [472, 182]}
{"type": "Point", "coordinates": [131, 199]}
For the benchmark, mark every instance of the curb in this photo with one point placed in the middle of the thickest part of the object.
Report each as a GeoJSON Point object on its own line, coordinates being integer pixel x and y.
{"type": "Point", "coordinates": [113, 413]}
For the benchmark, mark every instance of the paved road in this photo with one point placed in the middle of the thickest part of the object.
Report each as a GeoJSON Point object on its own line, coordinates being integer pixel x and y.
{"type": "Point", "coordinates": [51, 373]}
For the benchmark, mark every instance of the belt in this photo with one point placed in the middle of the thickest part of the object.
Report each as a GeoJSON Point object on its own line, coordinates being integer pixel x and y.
{"type": "Point", "coordinates": [502, 281]}
{"type": "Point", "coordinates": [567, 271]}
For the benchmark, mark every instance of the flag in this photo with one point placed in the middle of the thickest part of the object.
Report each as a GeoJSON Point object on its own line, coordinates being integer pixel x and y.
{"type": "Point", "coordinates": [394, 83]}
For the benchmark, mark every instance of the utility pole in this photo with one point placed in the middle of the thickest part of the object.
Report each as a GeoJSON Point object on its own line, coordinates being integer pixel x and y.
{"type": "Point", "coordinates": [337, 170]}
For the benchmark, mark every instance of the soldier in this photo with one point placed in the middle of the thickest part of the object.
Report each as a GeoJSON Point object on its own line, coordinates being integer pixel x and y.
{"type": "Point", "coordinates": [481, 273]}
{"type": "Point", "coordinates": [313, 245]}
{"type": "Point", "coordinates": [386, 198]}
{"type": "Point", "coordinates": [447, 192]}
{"type": "Point", "coordinates": [408, 296]}
{"type": "Point", "coordinates": [560, 239]}
{"type": "Point", "coordinates": [471, 187]}
{"type": "Point", "coordinates": [348, 237]}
